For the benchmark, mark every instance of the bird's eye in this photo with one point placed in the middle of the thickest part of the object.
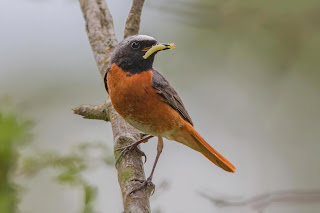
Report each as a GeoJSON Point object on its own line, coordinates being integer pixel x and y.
{"type": "Point", "coordinates": [135, 45]}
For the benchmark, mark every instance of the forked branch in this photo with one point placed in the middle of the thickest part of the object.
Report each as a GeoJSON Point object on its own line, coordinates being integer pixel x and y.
{"type": "Point", "coordinates": [100, 31]}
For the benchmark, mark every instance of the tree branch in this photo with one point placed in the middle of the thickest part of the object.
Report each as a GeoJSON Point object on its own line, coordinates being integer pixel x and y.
{"type": "Point", "coordinates": [98, 112]}
{"type": "Point", "coordinates": [262, 201]}
{"type": "Point", "coordinates": [100, 30]}
{"type": "Point", "coordinates": [133, 20]}
{"type": "Point", "coordinates": [99, 26]}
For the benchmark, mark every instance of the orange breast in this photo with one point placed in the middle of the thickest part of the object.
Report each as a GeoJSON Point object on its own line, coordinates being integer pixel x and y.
{"type": "Point", "coordinates": [139, 104]}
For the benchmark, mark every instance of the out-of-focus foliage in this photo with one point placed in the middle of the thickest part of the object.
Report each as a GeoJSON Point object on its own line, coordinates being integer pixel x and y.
{"type": "Point", "coordinates": [70, 167]}
{"type": "Point", "coordinates": [13, 133]}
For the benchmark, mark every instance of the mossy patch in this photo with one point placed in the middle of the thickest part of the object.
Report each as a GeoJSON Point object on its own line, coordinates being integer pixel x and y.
{"type": "Point", "coordinates": [126, 175]}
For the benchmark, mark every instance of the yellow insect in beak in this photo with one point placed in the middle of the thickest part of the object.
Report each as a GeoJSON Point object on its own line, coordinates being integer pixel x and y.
{"type": "Point", "coordinates": [157, 48]}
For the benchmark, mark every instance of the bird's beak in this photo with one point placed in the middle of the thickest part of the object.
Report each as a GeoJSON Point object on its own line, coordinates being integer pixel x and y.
{"type": "Point", "coordinates": [156, 48]}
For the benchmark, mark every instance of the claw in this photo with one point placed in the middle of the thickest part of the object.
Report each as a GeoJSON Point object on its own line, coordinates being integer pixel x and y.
{"type": "Point", "coordinates": [132, 146]}
{"type": "Point", "coordinates": [142, 154]}
{"type": "Point", "coordinates": [128, 148]}
{"type": "Point", "coordinates": [137, 179]}
{"type": "Point", "coordinates": [144, 183]}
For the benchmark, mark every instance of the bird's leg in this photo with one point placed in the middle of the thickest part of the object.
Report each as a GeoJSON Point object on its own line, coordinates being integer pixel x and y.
{"type": "Point", "coordinates": [148, 182]}
{"type": "Point", "coordinates": [132, 146]}
{"type": "Point", "coordinates": [159, 150]}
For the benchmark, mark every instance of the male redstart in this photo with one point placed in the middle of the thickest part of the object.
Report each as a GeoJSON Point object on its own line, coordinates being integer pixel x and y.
{"type": "Point", "coordinates": [146, 100]}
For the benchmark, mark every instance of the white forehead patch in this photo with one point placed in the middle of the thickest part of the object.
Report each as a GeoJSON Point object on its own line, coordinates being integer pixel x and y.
{"type": "Point", "coordinates": [128, 40]}
{"type": "Point", "coordinates": [144, 37]}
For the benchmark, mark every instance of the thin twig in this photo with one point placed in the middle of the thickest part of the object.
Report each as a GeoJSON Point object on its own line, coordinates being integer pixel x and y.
{"type": "Point", "coordinates": [262, 201]}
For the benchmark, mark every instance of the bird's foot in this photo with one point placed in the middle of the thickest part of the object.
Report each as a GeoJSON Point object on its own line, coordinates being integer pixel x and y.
{"type": "Point", "coordinates": [130, 147]}
{"type": "Point", "coordinates": [147, 184]}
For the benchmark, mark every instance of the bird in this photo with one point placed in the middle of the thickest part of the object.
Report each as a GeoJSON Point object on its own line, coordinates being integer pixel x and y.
{"type": "Point", "coordinates": [147, 101]}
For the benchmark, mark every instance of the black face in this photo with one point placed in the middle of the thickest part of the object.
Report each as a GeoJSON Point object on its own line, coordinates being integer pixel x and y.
{"type": "Point", "coordinates": [129, 54]}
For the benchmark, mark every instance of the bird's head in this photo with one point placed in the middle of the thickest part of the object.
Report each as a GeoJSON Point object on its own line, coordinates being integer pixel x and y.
{"type": "Point", "coordinates": [136, 53]}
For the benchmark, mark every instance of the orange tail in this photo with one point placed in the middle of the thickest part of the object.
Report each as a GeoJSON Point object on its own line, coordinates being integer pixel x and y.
{"type": "Point", "coordinates": [190, 137]}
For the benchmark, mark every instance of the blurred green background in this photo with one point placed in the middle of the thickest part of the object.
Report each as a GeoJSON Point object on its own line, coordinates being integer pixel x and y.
{"type": "Point", "coordinates": [249, 75]}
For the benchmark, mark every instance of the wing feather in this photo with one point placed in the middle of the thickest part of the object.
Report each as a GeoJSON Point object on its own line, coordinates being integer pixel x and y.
{"type": "Point", "coordinates": [105, 80]}
{"type": "Point", "coordinates": [169, 95]}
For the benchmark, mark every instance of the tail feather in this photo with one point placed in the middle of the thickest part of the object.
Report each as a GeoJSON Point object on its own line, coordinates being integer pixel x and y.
{"type": "Point", "coordinates": [199, 144]}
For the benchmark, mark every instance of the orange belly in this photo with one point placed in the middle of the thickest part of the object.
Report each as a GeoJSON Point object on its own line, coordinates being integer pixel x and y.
{"type": "Point", "coordinates": [138, 103]}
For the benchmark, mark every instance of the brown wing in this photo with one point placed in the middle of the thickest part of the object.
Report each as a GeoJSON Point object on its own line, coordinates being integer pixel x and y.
{"type": "Point", "coordinates": [169, 95]}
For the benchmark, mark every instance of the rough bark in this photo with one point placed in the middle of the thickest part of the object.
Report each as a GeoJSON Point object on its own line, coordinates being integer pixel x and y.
{"type": "Point", "coordinates": [100, 30]}
{"type": "Point", "coordinates": [97, 112]}
{"type": "Point", "coordinates": [133, 20]}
